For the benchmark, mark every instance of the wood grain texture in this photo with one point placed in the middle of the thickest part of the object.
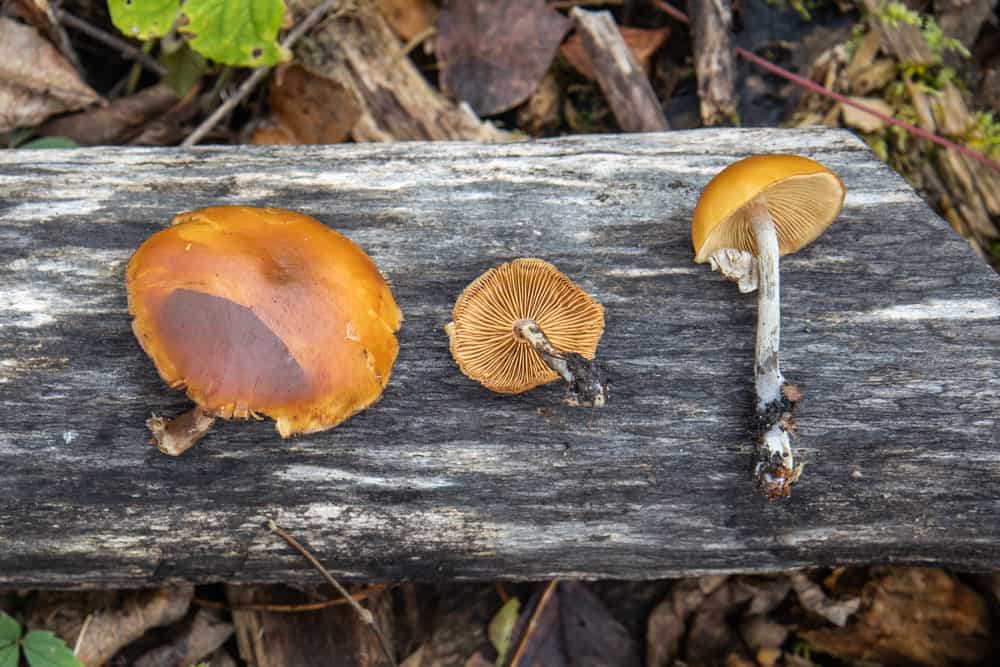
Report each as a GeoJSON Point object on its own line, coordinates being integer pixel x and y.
{"type": "Point", "coordinates": [711, 40]}
{"type": "Point", "coordinates": [891, 328]}
{"type": "Point", "coordinates": [622, 79]}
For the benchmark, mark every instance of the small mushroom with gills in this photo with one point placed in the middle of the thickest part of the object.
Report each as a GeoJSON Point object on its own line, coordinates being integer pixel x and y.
{"type": "Point", "coordinates": [524, 324]}
{"type": "Point", "coordinates": [260, 311]}
{"type": "Point", "coordinates": [753, 211]}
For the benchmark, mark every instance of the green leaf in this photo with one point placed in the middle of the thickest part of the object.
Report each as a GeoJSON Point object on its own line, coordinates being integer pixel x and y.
{"type": "Point", "coordinates": [44, 649]}
{"type": "Point", "coordinates": [10, 630]}
{"type": "Point", "coordinates": [51, 142]}
{"type": "Point", "coordinates": [185, 67]}
{"type": "Point", "coordinates": [501, 628]}
{"type": "Point", "coordinates": [236, 32]}
{"type": "Point", "coordinates": [144, 19]}
{"type": "Point", "coordinates": [10, 655]}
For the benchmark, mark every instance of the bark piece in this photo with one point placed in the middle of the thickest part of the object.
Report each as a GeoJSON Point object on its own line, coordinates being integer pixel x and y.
{"type": "Point", "coordinates": [622, 80]}
{"type": "Point", "coordinates": [494, 53]}
{"type": "Point", "coordinates": [541, 113]}
{"type": "Point", "coordinates": [360, 51]}
{"type": "Point", "coordinates": [963, 19]}
{"type": "Point", "coordinates": [711, 28]}
{"type": "Point", "coordinates": [309, 638]}
{"type": "Point", "coordinates": [912, 616]}
{"type": "Point", "coordinates": [900, 39]}
{"type": "Point", "coordinates": [35, 80]}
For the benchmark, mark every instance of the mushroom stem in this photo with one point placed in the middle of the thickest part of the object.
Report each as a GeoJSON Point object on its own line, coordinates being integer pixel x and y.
{"type": "Point", "coordinates": [176, 436]}
{"type": "Point", "coordinates": [767, 373]}
{"type": "Point", "coordinates": [775, 470]}
{"type": "Point", "coordinates": [586, 381]}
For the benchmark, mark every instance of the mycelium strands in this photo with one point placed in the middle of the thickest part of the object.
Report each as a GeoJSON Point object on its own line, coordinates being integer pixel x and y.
{"type": "Point", "coordinates": [775, 470]}
{"type": "Point", "coordinates": [586, 383]}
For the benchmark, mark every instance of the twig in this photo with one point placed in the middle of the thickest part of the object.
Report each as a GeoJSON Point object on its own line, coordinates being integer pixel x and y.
{"type": "Point", "coordinates": [83, 631]}
{"type": "Point", "coordinates": [293, 608]}
{"type": "Point", "coordinates": [65, 46]}
{"type": "Point", "coordinates": [258, 75]}
{"type": "Point", "coordinates": [366, 616]}
{"type": "Point", "coordinates": [417, 40]}
{"type": "Point", "coordinates": [569, 4]}
{"type": "Point", "coordinates": [108, 39]}
{"type": "Point", "coordinates": [837, 97]}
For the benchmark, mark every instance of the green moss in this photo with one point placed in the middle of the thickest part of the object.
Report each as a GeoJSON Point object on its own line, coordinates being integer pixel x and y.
{"type": "Point", "coordinates": [894, 12]}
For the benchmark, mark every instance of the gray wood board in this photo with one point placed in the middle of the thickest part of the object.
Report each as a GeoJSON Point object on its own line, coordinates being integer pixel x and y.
{"type": "Point", "coordinates": [891, 327]}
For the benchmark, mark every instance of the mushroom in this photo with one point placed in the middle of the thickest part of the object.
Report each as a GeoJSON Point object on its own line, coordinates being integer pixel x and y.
{"type": "Point", "coordinates": [260, 311]}
{"type": "Point", "coordinates": [762, 207]}
{"type": "Point", "coordinates": [523, 324]}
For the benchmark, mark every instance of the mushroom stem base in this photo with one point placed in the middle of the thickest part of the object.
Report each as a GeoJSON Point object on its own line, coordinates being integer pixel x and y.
{"type": "Point", "coordinates": [775, 470]}
{"type": "Point", "coordinates": [176, 436]}
{"type": "Point", "coordinates": [587, 385]}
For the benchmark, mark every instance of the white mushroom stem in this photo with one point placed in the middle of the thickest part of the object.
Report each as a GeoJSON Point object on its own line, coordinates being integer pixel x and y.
{"type": "Point", "coordinates": [767, 374]}
{"type": "Point", "coordinates": [583, 376]}
{"type": "Point", "coordinates": [176, 436]}
{"type": "Point", "coordinates": [775, 468]}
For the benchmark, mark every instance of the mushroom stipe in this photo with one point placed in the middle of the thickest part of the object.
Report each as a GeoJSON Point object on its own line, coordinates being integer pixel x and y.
{"type": "Point", "coordinates": [748, 215]}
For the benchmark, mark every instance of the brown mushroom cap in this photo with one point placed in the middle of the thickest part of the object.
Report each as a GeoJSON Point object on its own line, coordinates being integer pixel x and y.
{"type": "Point", "coordinates": [482, 338]}
{"type": "Point", "coordinates": [262, 310]}
{"type": "Point", "coordinates": [802, 196]}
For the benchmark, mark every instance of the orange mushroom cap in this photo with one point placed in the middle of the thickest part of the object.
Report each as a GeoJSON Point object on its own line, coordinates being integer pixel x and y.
{"type": "Point", "coordinates": [802, 196]}
{"type": "Point", "coordinates": [482, 338]}
{"type": "Point", "coordinates": [263, 310]}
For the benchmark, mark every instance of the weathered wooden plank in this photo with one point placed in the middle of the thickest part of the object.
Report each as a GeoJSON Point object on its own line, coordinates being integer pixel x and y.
{"type": "Point", "coordinates": [891, 327]}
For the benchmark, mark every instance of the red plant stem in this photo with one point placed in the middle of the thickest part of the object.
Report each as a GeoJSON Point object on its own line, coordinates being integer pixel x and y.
{"type": "Point", "coordinates": [837, 97]}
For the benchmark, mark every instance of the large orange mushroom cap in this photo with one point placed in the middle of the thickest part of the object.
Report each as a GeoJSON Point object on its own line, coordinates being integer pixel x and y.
{"type": "Point", "coordinates": [264, 311]}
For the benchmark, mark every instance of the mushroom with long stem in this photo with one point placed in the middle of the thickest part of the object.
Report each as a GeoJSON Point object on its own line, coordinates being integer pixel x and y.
{"type": "Point", "coordinates": [523, 324]}
{"type": "Point", "coordinates": [752, 212]}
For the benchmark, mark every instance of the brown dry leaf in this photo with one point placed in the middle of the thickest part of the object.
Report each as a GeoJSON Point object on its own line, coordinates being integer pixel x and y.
{"type": "Point", "coordinates": [114, 622]}
{"type": "Point", "coordinates": [643, 43]}
{"type": "Point", "coordinates": [205, 634]}
{"type": "Point", "coordinates": [35, 80]}
{"type": "Point", "coordinates": [116, 123]}
{"type": "Point", "coordinates": [307, 108]}
{"type": "Point", "coordinates": [567, 625]}
{"type": "Point", "coordinates": [408, 18]}
{"type": "Point", "coordinates": [860, 120]}
{"type": "Point", "coordinates": [913, 616]}
{"type": "Point", "coordinates": [812, 597]}
{"type": "Point", "coordinates": [494, 53]}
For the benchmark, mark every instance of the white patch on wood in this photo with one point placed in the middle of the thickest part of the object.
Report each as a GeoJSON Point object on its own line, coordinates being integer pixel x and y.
{"type": "Point", "coordinates": [308, 473]}
{"type": "Point", "coordinates": [651, 273]}
{"type": "Point", "coordinates": [46, 209]}
{"type": "Point", "coordinates": [937, 309]}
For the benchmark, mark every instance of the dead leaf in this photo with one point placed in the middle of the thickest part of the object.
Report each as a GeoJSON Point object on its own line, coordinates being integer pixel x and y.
{"type": "Point", "coordinates": [35, 80]}
{"type": "Point", "coordinates": [408, 18]}
{"type": "Point", "coordinates": [567, 625]}
{"type": "Point", "coordinates": [913, 616]}
{"type": "Point", "coordinates": [114, 622]}
{"type": "Point", "coordinates": [116, 123]}
{"type": "Point", "coordinates": [205, 634]}
{"type": "Point", "coordinates": [494, 53]}
{"type": "Point", "coordinates": [812, 597]}
{"type": "Point", "coordinates": [642, 42]}
{"type": "Point", "coordinates": [308, 108]}
{"type": "Point", "coordinates": [863, 121]}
